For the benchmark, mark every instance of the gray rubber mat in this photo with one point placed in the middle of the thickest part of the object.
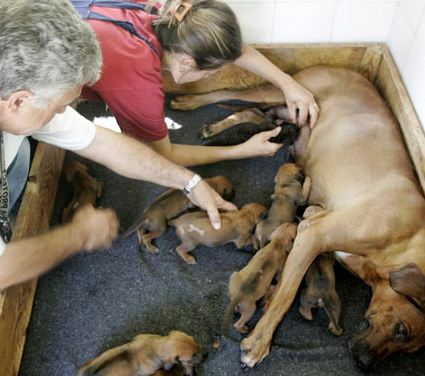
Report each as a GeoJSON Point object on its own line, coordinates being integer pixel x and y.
{"type": "Point", "coordinates": [95, 301]}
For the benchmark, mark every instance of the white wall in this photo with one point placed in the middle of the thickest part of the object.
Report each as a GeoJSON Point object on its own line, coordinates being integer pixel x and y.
{"type": "Point", "coordinates": [406, 40]}
{"type": "Point", "coordinates": [400, 23]}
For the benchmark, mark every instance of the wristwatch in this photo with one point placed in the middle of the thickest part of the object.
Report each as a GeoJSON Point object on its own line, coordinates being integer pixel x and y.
{"type": "Point", "coordinates": [191, 184]}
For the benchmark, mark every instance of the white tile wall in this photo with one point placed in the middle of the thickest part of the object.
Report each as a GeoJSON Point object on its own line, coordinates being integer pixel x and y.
{"type": "Point", "coordinates": [401, 23]}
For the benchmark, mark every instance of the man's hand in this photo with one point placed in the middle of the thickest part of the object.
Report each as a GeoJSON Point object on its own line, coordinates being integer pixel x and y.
{"type": "Point", "coordinates": [206, 198]}
{"type": "Point", "coordinates": [97, 228]}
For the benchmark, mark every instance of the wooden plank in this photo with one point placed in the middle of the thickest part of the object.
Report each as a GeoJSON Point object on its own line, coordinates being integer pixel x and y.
{"type": "Point", "coordinates": [391, 87]}
{"type": "Point", "coordinates": [371, 60]}
{"type": "Point", "coordinates": [34, 215]}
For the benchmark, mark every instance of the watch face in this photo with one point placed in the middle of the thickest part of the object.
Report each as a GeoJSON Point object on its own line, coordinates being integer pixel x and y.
{"type": "Point", "coordinates": [5, 229]}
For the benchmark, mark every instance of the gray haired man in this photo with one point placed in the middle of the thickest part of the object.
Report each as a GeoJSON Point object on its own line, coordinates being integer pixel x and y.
{"type": "Point", "coordinates": [47, 53]}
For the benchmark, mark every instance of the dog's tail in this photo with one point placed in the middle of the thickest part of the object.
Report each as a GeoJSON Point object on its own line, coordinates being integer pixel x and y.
{"type": "Point", "coordinates": [140, 221]}
{"type": "Point", "coordinates": [92, 367]}
{"type": "Point", "coordinates": [228, 315]}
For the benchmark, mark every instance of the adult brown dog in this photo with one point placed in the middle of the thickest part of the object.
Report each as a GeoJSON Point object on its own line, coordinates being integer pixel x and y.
{"type": "Point", "coordinates": [236, 226]}
{"type": "Point", "coordinates": [251, 283]}
{"type": "Point", "coordinates": [374, 211]}
{"type": "Point", "coordinates": [146, 355]}
{"type": "Point", "coordinates": [170, 204]}
{"type": "Point", "coordinates": [291, 190]}
{"type": "Point", "coordinates": [86, 188]}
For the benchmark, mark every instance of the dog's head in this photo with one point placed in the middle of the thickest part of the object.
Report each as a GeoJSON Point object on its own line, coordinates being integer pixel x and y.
{"type": "Point", "coordinates": [257, 210]}
{"type": "Point", "coordinates": [222, 185]}
{"type": "Point", "coordinates": [183, 349]}
{"type": "Point", "coordinates": [287, 174]}
{"type": "Point", "coordinates": [395, 319]}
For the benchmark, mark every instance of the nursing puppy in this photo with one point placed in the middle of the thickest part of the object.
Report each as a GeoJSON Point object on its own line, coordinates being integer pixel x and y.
{"type": "Point", "coordinates": [86, 188]}
{"type": "Point", "coordinates": [251, 283]}
{"type": "Point", "coordinates": [170, 204]}
{"type": "Point", "coordinates": [236, 226]}
{"type": "Point", "coordinates": [291, 190]}
{"type": "Point", "coordinates": [146, 355]}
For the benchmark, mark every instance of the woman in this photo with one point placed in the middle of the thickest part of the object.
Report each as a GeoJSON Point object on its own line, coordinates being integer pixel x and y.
{"type": "Point", "coordinates": [192, 39]}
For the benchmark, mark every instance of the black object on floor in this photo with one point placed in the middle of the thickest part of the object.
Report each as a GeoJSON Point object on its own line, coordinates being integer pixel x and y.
{"type": "Point", "coordinates": [95, 301]}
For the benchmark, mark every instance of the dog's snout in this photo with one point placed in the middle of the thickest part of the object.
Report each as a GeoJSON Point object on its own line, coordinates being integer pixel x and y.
{"type": "Point", "coordinates": [363, 355]}
{"type": "Point", "coordinates": [229, 194]}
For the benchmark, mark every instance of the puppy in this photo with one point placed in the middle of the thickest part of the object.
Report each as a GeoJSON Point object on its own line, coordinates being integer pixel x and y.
{"type": "Point", "coordinates": [170, 204]}
{"type": "Point", "coordinates": [146, 355]}
{"type": "Point", "coordinates": [291, 190]}
{"type": "Point", "coordinates": [320, 292]}
{"type": "Point", "coordinates": [236, 226]}
{"type": "Point", "coordinates": [86, 188]}
{"type": "Point", "coordinates": [251, 283]}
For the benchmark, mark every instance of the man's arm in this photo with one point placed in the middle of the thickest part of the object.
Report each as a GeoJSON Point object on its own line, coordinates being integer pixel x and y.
{"type": "Point", "coordinates": [297, 97]}
{"type": "Point", "coordinates": [131, 158]}
{"type": "Point", "coordinates": [27, 258]}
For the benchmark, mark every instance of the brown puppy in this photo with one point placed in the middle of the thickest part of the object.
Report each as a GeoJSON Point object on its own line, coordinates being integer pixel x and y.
{"type": "Point", "coordinates": [290, 192]}
{"type": "Point", "coordinates": [146, 355]}
{"type": "Point", "coordinates": [86, 188]}
{"type": "Point", "coordinates": [320, 292]}
{"type": "Point", "coordinates": [251, 283]}
{"type": "Point", "coordinates": [170, 204]}
{"type": "Point", "coordinates": [236, 226]}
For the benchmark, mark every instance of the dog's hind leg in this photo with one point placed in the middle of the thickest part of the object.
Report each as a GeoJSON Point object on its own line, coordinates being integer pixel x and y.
{"type": "Point", "coordinates": [250, 115]}
{"type": "Point", "coordinates": [268, 95]}
{"type": "Point", "coordinates": [247, 310]}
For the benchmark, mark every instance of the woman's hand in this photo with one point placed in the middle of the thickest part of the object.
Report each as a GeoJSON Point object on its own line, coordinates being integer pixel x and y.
{"type": "Point", "coordinates": [259, 145]}
{"type": "Point", "coordinates": [298, 99]}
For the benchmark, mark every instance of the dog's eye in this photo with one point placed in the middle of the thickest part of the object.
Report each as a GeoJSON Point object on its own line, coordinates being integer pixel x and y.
{"type": "Point", "coordinates": [401, 332]}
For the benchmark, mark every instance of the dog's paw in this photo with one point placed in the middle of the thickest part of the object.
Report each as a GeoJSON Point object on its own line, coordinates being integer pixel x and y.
{"type": "Point", "coordinates": [186, 103]}
{"type": "Point", "coordinates": [207, 132]}
{"type": "Point", "coordinates": [254, 350]}
{"type": "Point", "coordinates": [152, 249]}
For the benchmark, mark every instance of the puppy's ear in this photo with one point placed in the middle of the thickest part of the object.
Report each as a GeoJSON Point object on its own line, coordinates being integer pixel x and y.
{"type": "Point", "coordinates": [410, 282]}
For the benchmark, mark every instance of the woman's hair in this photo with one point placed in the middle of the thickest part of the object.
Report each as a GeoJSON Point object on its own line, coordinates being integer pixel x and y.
{"type": "Point", "coordinates": [209, 32]}
{"type": "Point", "coordinates": [46, 48]}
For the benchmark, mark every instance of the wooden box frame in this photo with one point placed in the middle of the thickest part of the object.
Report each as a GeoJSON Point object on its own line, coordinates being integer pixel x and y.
{"type": "Point", "coordinates": [372, 60]}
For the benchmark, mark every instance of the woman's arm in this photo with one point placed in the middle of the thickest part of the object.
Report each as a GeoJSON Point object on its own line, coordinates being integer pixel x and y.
{"type": "Point", "coordinates": [297, 97]}
{"type": "Point", "coordinates": [195, 155]}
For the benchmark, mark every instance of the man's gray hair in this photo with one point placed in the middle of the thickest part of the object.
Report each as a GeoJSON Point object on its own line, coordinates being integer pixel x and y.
{"type": "Point", "coordinates": [46, 48]}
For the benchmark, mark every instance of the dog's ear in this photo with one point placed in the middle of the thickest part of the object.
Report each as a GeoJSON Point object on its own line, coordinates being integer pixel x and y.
{"type": "Point", "coordinates": [410, 282]}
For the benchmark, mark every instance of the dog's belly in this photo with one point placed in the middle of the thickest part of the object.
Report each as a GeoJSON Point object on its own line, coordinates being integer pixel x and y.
{"type": "Point", "coordinates": [355, 152]}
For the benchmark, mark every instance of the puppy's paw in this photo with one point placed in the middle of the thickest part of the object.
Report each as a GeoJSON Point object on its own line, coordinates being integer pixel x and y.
{"type": "Point", "coordinates": [186, 102]}
{"type": "Point", "coordinates": [207, 132]}
{"type": "Point", "coordinates": [254, 349]}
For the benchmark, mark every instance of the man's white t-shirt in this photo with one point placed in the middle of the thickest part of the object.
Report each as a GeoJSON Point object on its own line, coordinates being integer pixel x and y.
{"type": "Point", "coordinates": [69, 130]}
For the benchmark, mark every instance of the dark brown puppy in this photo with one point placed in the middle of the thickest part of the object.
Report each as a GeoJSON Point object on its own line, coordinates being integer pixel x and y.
{"type": "Point", "coordinates": [146, 355]}
{"type": "Point", "coordinates": [170, 204]}
{"type": "Point", "coordinates": [320, 292]}
{"type": "Point", "coordinates": [86, 188]}
{"type": "Point", "coordinates": [291, 190]}
{"type": "Point", "coordinates": [251, 283]}
{"type": "Point", "coordinates": [236, 226]}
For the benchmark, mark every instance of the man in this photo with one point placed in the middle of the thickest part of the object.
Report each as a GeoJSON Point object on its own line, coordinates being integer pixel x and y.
{"type": "Point", "coordinates": [47, 54]}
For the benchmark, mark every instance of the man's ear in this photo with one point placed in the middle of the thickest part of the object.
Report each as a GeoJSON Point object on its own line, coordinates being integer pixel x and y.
{"type": "Point", "coordinates": [17, 99]}
{"type": "Point", "coordinates": [410, 282]}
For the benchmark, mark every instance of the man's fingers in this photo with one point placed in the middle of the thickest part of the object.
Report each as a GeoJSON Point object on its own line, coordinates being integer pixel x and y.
{"type": "Point", "coordinates": [228, 206]}
{"type": "Point", "coordinates": [214, 216]}
{"type": "Point", "coordinates": [273, 133]}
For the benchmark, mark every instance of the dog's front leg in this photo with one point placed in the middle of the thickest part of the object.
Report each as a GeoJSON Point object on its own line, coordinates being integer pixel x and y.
{"type": "Point", "coordinates": [256, 347]}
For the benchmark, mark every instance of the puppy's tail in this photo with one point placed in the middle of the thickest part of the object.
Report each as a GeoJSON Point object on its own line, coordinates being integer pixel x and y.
{"type": "Point", "coordinates": [140, 221]}
{"type": "Point", "coordinates": [92, 367]}
{"type": "Point", "coordinates": [228, 316]}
